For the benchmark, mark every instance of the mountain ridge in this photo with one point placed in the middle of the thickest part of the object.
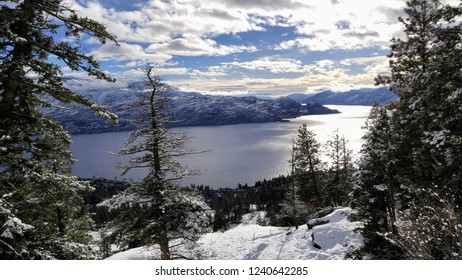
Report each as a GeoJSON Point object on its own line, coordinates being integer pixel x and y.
{"type": "Point", "coordinates": [186, 108]}
{"type": "Point", "coordinates": [366, 97]}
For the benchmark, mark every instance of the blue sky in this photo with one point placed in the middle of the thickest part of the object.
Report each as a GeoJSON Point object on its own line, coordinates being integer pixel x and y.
{"type": "Point", "coordinates": [238, 47]}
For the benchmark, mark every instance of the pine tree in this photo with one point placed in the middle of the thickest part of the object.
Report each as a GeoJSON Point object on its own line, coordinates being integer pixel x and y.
{"type": "Point", "coordinates": [339, 182]}
{"type": "Point", "coordinates": [157, 210]}
{"type": "Point", "coordinates": [307, 164]}
{"type": "Point", "coordinates": [35, 180]}
{"type": "Point", "coordinates": [425, 134]}
{"type": "Point", "coordinates": [376, 187]}
{"type": "Point", "coordinates": [425, 74]}
{"type": "Point", "coordinates": [292, 210]}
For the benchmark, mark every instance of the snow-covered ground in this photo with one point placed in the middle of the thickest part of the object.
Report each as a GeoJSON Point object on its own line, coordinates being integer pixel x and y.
{"type": "Point", "coordinates": [250, 241]}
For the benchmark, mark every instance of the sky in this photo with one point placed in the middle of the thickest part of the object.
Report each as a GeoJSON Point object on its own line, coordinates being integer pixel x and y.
{"type": "Point", "coordinates": [247, 47]}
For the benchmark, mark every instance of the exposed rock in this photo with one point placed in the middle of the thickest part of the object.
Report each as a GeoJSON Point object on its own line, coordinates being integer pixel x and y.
{"type": "Point", "coordinates": [187, 109]}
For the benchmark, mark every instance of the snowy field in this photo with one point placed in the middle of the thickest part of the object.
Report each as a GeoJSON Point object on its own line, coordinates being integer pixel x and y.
{"type": "Point", "coordinates": [250, 241]}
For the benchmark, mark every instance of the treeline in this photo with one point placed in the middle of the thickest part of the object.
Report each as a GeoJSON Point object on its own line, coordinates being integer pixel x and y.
{"type": "Point", "coordinates": [102, 189]}
{"type": "Point", "coordinates": [408, 190]}
{"type": "Point", "coordinates": [41, 206]}
{"type": "Point", "coordinates": [288, 200]}
{"type": "Point", "coordinates": [229, 204]}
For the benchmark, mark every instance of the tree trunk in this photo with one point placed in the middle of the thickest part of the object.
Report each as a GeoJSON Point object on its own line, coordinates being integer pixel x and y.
{"type": "Point", "coordinates": [155, 150]}
{"type": "Point", "coordinates": [312, 171]}
{"type": "Point", "coordinates": [164, 248]}
{"type": "Point", "coordinates": [21, 53]}
{"type": "Point", "coordinates": [60, 220]}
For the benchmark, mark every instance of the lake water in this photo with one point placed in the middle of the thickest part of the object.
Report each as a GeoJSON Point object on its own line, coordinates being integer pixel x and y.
{"type": "Point", "coordinates": [242, 153]}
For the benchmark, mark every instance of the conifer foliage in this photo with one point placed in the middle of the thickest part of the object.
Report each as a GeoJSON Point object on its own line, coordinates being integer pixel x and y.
{"type": "Point", "coordinates": [375, 186]}
{"type": "Point", "coordinates": [307, 165]}
{"type": "Point", "coordinates": [316, 184]}
{"type": "Point", "coordinates": [339, 180]}
{"type": "Point", "coordinates": [292, 209]}
{"type": "Point", "coordinates": [40, 202]}
{"type": "Point", "coordinates": [157, 210]}
{"type": "Point", "coordinates": [411, 167]}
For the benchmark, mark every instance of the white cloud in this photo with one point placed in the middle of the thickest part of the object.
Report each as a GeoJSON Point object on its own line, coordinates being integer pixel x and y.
{"type": "Point", "coordinates": [345, 25]}
{"type": "Point", "coordinates": [212, 72]}
{"type": "Point", "coordinates": [125, 51]}
{"type": "Point", "coordinates": [157, 71]}
{"type": "Point", "coordinates": [318, 76]}
{"type": "Point", "coordinates": [378, 68]}
{"type": "Point", "coordinates": [195, 46]}
{"type": "Point", "coordinates": [162, 23]}
{"type": "Point", "coordinates": [185, 27]}
{"type": "Point", "coordinates": [341, 39]}
{"type": "Point", "coordinates": [172, 71]}
{"type": "Point", "coordinates": [364, 60]}
{"type": "Point", "coordinates": [160, 30]}
{"type": "Point", "coordinates": [320, 67]}
{"type": "Point", "coordinates": [273, 64]}
{"type": "Point", "coordinates": [267, 5]}
{"type": "Point", "coordinates": [158, 21]}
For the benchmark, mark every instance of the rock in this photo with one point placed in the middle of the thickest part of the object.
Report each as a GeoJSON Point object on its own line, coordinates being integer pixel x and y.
{"type": "Point", "coordinates": [186, 108]}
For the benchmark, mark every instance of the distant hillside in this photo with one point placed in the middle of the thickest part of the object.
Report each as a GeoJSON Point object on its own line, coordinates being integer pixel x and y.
{"type": "Point", "coordinates": [353, 97]}
{"type": "Point", "coordinates": [187, 108]}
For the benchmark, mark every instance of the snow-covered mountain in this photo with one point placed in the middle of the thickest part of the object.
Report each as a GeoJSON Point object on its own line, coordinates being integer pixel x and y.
{"type": "Point", "coordinates": [330, 237]}
{"type": "Point", "coordinates": [354, 97]}
{"type": "Point", "coordinates": [187, 108]}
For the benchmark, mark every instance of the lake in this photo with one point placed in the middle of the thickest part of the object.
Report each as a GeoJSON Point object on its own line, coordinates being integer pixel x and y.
{"type": "Point", "coordinates": [242, 153]}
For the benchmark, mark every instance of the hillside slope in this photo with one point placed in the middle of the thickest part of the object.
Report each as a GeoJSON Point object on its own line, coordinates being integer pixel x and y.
{"type": "Point", "coordinates": [365, 97]}
{"type": "Point", "coordinates": [250, 241]}
{"type": "Point", "coordinates": [187, 108]}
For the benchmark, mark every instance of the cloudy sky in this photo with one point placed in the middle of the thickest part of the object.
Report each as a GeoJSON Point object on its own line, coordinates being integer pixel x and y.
{"type": "Point", "coordinates": [260, 47]}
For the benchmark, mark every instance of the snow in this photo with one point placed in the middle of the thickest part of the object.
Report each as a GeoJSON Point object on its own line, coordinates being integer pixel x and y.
{"type": "Point", "coordinates": [436, 138]}
{"type": "Point", "coordinates": [455, 94]}
{"type": "Point", "coordinates": [381, 187]}
{"type": "Point", "coordinates": [5, 137]}
{"type": "Point", "coordinates": [119, 200]}
{"type": "Point", "coordinates": [140, 253]}
{"type": "Point", "coordinates": [187, 108]}
{"type": "Point", "coordinates": [250, 241]}
{"type": "Point", "coordinates": [20, 40]}
{"type": "Point", "coordinates": [14, 225]}
{"type": "Point", "coordinates": [2, 139]}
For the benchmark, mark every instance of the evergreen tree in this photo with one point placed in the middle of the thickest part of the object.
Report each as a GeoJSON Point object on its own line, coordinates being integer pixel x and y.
{"type": "Point", "coordinates": [425, 74]}
{"type": "Point", "coordinates": [43, 199]}
{"type": "Point", "coordinates": [339, 182]}
{"type": "Point", "coordinates": [376, 186]}
{"type": "Point", "coordinates": [157, 210]}
{"type": "Point", "coordinates": [292, 210]}
{"type": "Point", "coordinates": [307, 166]}
{"type": "Point", "coordinates": [425, 136]}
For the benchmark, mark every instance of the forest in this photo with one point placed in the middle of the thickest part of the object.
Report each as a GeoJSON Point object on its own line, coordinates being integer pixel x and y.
{"type": "Point", "coordinates": [406, 188]}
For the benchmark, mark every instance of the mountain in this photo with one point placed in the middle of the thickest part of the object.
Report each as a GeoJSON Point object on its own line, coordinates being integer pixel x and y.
{"type": "Point", "coordinates": [353, 97]}
{"type": "Point", "coordinates": [187, 108]}
{"type": "Point", "coordinates": [219, 110]}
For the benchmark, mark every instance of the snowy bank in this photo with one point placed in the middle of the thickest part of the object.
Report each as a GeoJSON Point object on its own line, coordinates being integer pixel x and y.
{"type": "Point", "coordinates": [250, 241]}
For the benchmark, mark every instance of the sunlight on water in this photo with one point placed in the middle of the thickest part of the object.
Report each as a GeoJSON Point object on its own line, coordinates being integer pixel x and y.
{"type": "Point", "coordinates": [242, 153]}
